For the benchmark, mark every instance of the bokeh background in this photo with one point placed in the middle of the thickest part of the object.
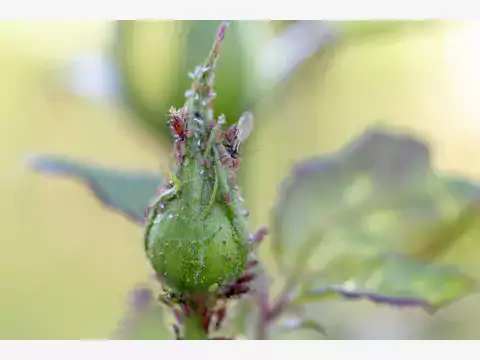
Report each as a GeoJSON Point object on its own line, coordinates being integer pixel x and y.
{"type": "Point", "coordinates": [99, 92]}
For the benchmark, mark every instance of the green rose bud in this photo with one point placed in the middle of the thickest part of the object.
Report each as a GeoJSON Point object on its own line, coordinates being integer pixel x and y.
{"type": "Point", "coordinates": [196, 238]}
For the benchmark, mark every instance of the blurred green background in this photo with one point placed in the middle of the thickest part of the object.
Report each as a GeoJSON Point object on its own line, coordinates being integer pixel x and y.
{"type": "Point", "coordinates": [99, 91]}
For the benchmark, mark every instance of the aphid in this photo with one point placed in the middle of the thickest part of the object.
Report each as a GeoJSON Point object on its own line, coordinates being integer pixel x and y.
{"type": "Point", "coordinates": [224, 155]}
{"type": "Point", "coordinates": [238, 133]}
{"type": "Point", "coordinates": [177, 124]}
{"type": "Point", "coordinates": [233, 138]}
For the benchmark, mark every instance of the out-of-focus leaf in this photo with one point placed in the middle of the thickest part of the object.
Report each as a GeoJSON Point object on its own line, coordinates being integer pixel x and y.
{"type": "Point", "coordinates": [144, 319]}
{"type": "Point", "coordinates": [393, 280]}
{"type": "Point", "coordinates": [439, 237]}
{"type": "Point", "coordinates": [364, 198]}
{"type": "Point", "coordinates": [376, 195]}
{"type": "Point", "coordinates": [150, 92]}
{"type": "Point", "coordinates": [146, 56]}
{"type": "Point", "coordinates": [362, 29]}
{"type": "Point", "coordinates": [125, 192]}
{"type": "Point", "coordinates": [464, 190]}
{"type": "Point", "coordinates": [298, 324]}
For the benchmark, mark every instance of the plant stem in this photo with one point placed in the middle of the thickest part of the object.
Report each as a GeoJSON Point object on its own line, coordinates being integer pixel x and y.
{"type": "Point", "coordinates": [193, 329]}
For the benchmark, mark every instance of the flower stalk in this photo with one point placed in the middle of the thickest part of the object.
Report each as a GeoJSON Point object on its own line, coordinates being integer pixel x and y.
{"type": "Point", "coordinates": [196, 234]}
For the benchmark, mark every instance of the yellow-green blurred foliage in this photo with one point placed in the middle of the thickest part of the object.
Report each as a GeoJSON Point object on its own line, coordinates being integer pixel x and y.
{"type": "Point", "coordinates": [66, 263]}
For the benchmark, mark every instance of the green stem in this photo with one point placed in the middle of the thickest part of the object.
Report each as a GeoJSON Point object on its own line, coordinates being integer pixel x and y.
{"type": "Point", "coordinates": [193, 328]}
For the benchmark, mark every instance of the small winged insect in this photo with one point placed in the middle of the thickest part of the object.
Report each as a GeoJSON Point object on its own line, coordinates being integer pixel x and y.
{"type": "Point", "coordinates": [238, 133]}
{"type": "Point", "coordinates": [177, 124]}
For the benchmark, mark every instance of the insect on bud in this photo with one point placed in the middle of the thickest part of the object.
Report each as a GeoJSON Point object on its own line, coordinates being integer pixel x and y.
{"type": "Point", "coordinates": [197, 241]}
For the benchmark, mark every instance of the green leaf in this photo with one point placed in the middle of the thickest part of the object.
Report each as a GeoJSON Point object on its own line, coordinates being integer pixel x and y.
{"type": "Point", "coordinates": [439, 237]}
{"type": "Point", "coordinates": [378, 194]}
{"type": "Point", "coordinates": [391, 279]}
{"type": "Point", "coordinates": [463, 189]}
{"type": "Point", "coordinates": [298, 324]}
{"type": "Point", "coordinates": [144, 319]}
{"type": "Point", "coordinates": [128, 193]}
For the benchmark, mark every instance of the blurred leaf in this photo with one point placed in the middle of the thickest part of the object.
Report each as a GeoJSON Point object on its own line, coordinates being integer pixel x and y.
{"type": "Point", "coordinates": [464, 190]}
{"type": "Point", "coordinates": [377, 194]}
{"type": "Point", "coordinates": [126, 192]}
{"type": "Point", "coordinates": [392, 280]}
{"type": "Point", "coordinates": [141, 56]}
{"type": "Point", "coordinates": [379, 177]}
{"type": "Point", "coordinates": [363, 29]}
{"type": "Point", "coordinates": [441, 236]}
{"type": "Point", "coordinates": [144, 319]}
{"type": "Point", "coordinates": [150, 92]}
{"type": "Point", "coordinates": [298, 324]}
